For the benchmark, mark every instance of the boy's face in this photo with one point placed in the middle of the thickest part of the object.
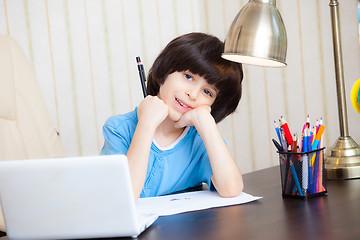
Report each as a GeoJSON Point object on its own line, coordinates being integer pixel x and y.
{"type": "Point", "coordinates": [183, 91]}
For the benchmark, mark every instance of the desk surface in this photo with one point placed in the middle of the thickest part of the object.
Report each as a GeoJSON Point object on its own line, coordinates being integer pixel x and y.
{"type": "Point", "coordinates": [335, 216]}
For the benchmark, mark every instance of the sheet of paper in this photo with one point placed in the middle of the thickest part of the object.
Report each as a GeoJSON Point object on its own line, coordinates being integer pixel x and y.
{"type": "Point", "coordinates": [190, 201]}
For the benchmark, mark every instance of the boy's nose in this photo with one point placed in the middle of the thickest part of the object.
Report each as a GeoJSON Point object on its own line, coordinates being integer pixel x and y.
{"type": "Point", "coordinates": [193, 93]}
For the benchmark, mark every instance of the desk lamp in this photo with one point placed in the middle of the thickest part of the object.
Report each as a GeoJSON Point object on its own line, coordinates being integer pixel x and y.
{"type": "Point", "coordinates": [257, 36]}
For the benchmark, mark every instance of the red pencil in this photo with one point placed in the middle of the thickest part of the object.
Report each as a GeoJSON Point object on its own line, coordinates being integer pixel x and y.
{"type": "Point", "coordinates": [308, 121]}
{"type": "Point", "coordinates": [294, 144]}
{"type": "Point", "coordinates": [286, 129]}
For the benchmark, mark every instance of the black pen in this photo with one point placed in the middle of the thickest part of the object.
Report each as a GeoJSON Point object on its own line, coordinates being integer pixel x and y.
{"type": "Point", "coordinates": [142, 75]}
{"type": "Point", "coordinates": [278, 146]}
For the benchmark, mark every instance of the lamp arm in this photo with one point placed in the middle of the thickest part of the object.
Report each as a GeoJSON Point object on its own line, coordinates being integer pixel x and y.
{"type": "Point", "coordinates": [339, 70]}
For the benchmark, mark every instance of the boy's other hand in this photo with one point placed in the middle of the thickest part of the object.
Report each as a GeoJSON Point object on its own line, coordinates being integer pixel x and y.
{"type": "Point", "coordinates": [196, 117]}
{"type": "Point", "coordinates": [152, 111]}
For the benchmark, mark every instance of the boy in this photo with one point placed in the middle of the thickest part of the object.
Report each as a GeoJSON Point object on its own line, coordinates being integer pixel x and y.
{"type": "Point", "coordinates": [171, 139]}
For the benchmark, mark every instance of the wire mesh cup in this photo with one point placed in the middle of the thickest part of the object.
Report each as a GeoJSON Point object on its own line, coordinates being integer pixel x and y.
{"type": "Point", "coordinates": [302, 174]}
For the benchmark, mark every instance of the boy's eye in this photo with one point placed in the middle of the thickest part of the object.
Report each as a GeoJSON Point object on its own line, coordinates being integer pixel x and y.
{"type": "Point", "coordinates": [188, 76]}
{"type": "Point", "coordinates": [208, 92]}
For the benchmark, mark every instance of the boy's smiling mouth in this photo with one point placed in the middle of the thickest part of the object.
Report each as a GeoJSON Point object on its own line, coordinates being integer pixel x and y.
{"type": "Point", "coordinates": [182, 104]}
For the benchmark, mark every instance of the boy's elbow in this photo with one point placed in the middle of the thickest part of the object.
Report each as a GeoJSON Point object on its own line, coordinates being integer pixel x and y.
{"type": "Point", "coordinates": [231, 190]}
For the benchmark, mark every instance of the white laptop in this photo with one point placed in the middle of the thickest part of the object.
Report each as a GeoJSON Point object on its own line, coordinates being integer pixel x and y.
{"type": "Point", "coordinates": [74, 197]}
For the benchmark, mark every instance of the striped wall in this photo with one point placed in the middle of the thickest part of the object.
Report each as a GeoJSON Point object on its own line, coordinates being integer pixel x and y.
{"type": "Point", "coordinates": [83, 52]}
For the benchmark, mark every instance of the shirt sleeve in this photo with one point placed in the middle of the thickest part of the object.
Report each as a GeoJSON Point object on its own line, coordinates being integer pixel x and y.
{"type": "Point", "coordinates": [117, 137]}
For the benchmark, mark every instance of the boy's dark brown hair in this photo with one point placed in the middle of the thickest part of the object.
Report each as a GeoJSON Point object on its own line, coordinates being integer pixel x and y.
{"type": "Point", "coordinates": [200, 54]}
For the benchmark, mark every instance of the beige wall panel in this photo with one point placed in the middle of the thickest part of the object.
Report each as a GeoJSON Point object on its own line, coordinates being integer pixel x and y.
{"type": "Point", "coordinates": [40, 48]}
{"type": "Point", "coordinates": [351, 58]}
{"type": "Point", "coordinates": [64, 77]}
{"type": "Point", "coordinates": [4, 26]}
{"type": "Point", "coordinates": [82, 77]}
{"type": "Point", "coordinates": [245, 148]}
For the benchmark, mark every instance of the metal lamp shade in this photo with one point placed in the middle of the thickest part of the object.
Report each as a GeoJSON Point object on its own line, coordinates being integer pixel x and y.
{"type": "Point", "coordinates": [257, 36]}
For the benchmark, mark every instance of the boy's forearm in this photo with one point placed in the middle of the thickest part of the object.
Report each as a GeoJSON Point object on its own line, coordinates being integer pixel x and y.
{"type": "Point", "coordinates": [138, 156]}
{"type": "Point", "coordinates": [227, 178]}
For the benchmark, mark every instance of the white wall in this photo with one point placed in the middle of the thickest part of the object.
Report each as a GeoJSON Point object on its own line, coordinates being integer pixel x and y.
{"type": "Point", "coordinates": [84, 53]}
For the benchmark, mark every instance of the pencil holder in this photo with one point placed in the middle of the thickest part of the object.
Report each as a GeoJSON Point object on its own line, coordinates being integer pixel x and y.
{"type": "Point", "coordinates": [302, 174]}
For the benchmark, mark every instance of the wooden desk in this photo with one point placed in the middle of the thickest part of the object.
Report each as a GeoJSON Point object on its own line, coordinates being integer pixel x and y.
{"type": "Point", "coordinates": [335, 216]}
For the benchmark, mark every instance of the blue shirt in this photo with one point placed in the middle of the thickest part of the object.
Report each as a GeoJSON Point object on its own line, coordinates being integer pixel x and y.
{"type": "Point", "coordinates": [185, 165]}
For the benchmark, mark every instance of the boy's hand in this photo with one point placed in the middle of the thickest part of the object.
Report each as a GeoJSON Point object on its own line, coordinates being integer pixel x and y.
{"type": "Point", "coordinates": [152, 111]}
{"type": "Point", "coordinates": [196, 117]}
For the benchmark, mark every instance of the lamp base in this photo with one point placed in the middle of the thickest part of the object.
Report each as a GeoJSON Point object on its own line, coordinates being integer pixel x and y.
{"type": "Point", "coordinates": [343, 160]}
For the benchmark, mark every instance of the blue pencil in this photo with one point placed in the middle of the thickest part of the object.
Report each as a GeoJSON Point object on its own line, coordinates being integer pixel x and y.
{"type": "Point", "coordinates": [296, 178]}
{"type": "Point", "coordinates": [277, 132]}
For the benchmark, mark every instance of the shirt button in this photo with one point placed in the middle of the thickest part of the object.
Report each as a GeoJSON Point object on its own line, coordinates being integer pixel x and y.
{"type": "Point", "coordinates": [161, 158]}
{"type": "Point", "coordinates": [153, 172]}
